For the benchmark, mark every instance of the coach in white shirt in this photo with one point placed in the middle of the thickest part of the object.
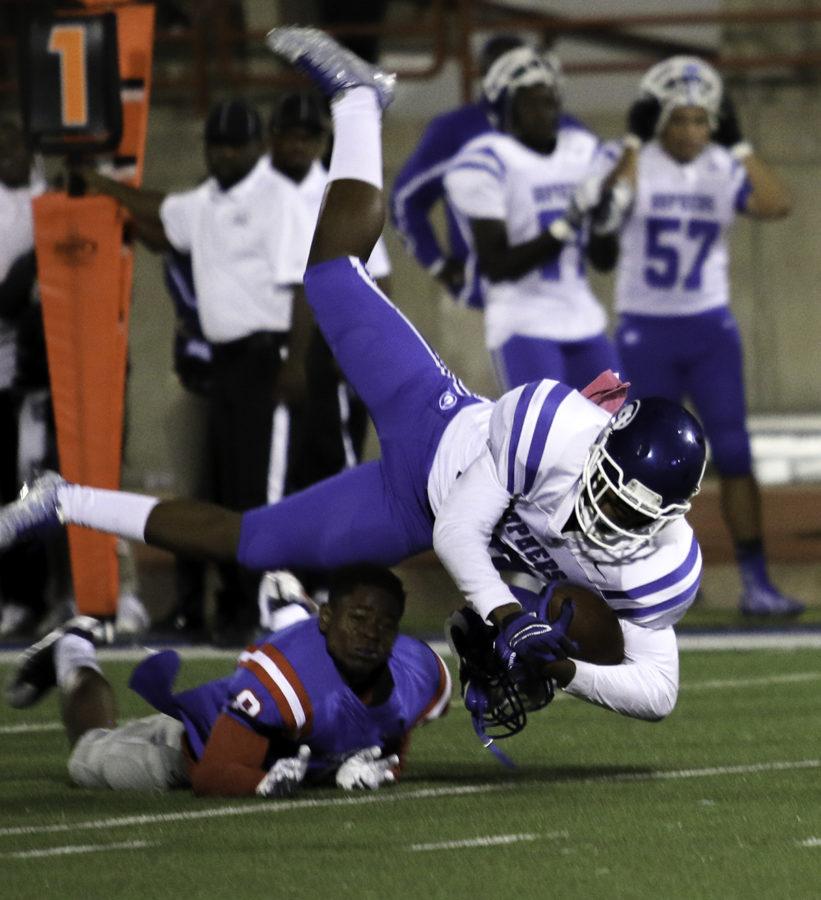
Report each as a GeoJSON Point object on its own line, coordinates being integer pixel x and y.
{"type": "Point", "coordinates": [248, 234]}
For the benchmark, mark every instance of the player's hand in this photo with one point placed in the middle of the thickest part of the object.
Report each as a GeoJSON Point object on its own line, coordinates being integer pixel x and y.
{"type": "Point", "coordinates": [366, 770]}
{"type": "Point", "coordinates": [728, 131]}
{"type": "Point", "coordinates": [524, 639]}
{"type": "Point", "coordinates": [643, 118]}
{"type": "Point", "coordinates": [286, 775]}
{"type": "Point", "coordinates": [609, 214]}
{"type": "Point", "coordinates": [584, 198]}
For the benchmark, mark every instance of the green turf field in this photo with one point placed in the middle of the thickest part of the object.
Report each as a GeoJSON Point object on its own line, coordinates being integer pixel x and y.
{"type": "Point", "coordinates": [722, 800]}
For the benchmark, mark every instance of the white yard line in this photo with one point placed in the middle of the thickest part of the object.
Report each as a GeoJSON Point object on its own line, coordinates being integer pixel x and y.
{"type": "Point", "coordinates": [490, 840]}
{"type": "Point", "coordinates": [72, 849]}
{"type": "Point", "coordinates": [810, 842]}
{"type": "Point", "coordinates": [398, 796]}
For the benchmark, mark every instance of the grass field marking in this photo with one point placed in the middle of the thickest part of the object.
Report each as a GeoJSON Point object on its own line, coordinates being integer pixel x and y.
{"type": "Point", "coordinates": [29, 727]}
{"type": "Point", "coordinates": [387, 796]}
{"type": "Point", "coordinates": [721, 683]}
{"type": "Point", "coordinates": [748, 769]}
{"type": "Point", "coordinates": [255, 808]}
{"type": "Point", "coordinates": [810, 842]}
{"type": "Point", "coordinates": [715, 684]}
{"type": "Point", "coordinates": [490, 840]}
{"type": "Point", "coordinates": [72, 849]}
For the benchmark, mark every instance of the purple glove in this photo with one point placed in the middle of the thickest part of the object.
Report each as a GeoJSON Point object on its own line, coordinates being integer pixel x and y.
{"type": "Point", "coordinates": [526, 639]}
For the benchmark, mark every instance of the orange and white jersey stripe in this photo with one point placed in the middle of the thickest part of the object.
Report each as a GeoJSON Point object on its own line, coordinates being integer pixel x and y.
{"type": "Point", "coordinates": [280, 680]}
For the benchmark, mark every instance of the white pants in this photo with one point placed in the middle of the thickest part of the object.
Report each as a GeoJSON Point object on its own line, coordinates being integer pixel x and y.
{"type": "Point", "coordinates": [143, 755]}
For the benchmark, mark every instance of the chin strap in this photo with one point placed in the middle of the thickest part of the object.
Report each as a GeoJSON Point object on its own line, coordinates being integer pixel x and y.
{"type": "Point", "coordinates": [476, 702]}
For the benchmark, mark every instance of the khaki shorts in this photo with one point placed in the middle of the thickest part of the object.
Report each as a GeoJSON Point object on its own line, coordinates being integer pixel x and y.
{"type": "Point", "coordinates": [143, 755]}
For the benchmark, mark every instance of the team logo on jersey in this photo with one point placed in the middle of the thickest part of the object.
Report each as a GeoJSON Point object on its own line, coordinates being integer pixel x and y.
{"type": "Point", "coordinates": [625, 415]}
{"type": "Point", "coordinates": [447, 401]}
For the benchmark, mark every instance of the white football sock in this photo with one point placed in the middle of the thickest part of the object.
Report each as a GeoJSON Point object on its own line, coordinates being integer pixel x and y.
{"type": "Point", "coordinates": [72, 653]}
{"type": "Point", "coordinates": [357, 152]}
{"type": "Point", "coordinates": [115, 512]}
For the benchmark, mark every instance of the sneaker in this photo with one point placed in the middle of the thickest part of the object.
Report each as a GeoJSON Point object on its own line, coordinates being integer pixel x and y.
{"type": "Point", "coordinates": [333, 67]}
{"type": "Point", "coordinates": [283, 601]}
{"type": "Point", "coordinates": [767, 601]}
{"type": "Point", "coordinates": [34, 674]}
{"type": "Point", "coordinates": [36, 512]}
{"type": "Point", "coordinates": [132, 619]}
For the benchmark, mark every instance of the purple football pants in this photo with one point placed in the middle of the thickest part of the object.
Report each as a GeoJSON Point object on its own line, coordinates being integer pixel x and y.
{"type": "Point", "coordinates": [521, 360]}
{"type": "Point", "coordinates": [697, 357]}
{"type": "Point", "coordinates": [377, 512]}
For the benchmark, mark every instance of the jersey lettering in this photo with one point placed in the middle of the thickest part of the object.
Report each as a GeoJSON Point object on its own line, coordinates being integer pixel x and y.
{"type": "Point", "coordinates": [664, 256]}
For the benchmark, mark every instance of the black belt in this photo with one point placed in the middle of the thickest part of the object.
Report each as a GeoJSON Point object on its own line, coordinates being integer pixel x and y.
{"type": "Point", "coordinates": [258, 341]}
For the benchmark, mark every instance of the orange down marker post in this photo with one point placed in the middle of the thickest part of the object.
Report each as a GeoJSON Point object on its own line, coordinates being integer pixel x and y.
{"type": "Point", "coordinates": [85, 276]}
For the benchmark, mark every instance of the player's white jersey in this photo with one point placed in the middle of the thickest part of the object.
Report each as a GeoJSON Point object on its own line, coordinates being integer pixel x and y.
{"type": "Point", "coordinates": [496, 177]}
{"type": "Point", "coordinates": [506, 477]}
{"type": "Point", "coordinates": [673, 258]}
{"type": "Point", "coordinates": [312, 190]}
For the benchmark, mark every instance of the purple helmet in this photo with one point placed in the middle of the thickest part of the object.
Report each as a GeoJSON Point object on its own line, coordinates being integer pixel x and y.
{"type": "Point", "coordinates": [641, 473]}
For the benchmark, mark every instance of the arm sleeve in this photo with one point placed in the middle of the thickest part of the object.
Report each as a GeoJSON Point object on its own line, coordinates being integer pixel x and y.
{"type": "Point", "coordinates": [290, 241]}
{"type": "Point", "coordinates": [462, 533]}
{"type": "Point", "coordinates": [644, 686]}
{"type": "Point", "coordinates": [232, 764]}
{"type": "Point", "coordinates": [474, 188]}
{"type": "Point", "coordinates": [417, 188]}
{"type": "Point", "coordinates": [178, 213]}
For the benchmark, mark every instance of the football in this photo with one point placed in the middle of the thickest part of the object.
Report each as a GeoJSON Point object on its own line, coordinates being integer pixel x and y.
{"type": "Point", "coordinates": [594, 626]}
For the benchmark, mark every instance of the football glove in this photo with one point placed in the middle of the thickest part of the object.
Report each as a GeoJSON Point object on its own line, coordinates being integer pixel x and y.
{"type": "Point", "coordinates": [366, 770]}
{"type": "Point", "coordinates": [643, 118]}
{"type": "Point", "coordinates": [525, 639]}
{"type": "Point", "coordinates": [728, 131]}
{"type": "Point", "coordinates": [608, 215]}
{"type": "Point", "coordinates": [286, 775]}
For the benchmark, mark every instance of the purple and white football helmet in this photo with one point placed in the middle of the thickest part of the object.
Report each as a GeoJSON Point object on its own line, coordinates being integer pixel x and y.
{"type": "Point", "coordinates": [683, 81]}
{"type": "Point", "coordinates": [640, 474]}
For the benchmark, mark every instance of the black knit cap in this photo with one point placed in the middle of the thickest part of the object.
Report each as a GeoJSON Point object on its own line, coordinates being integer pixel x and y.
{"type": "Point", "coordinates": [304, 109]}
{"type": "Point", "coordinates": [233, 122]}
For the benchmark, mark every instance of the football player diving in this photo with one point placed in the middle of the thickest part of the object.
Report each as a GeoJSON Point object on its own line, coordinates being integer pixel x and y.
{"type": "Point", "coordinates": [544, 481]}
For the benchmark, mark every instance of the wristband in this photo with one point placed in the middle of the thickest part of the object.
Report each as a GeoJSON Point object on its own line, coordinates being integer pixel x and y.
{"type": "Point", "coordinates": [741, 150]}
{"type": "Point", "coordinates": [632, 142]}
{"type": "Point", "coordinates": [561, 230]}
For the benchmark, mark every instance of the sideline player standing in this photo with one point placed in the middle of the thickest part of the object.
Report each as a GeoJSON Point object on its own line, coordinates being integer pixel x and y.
{"type": "Point", "coordinates": [247, 265]}
{"type": "Point", "coordinates": [329, 700]}
{"type": "Point", "coordinates": [419, 186]}
{"type": "Point", "coordinates": [515, 194]}
{"type": "Point", "coordinates": [544, 479]}
{"type": "Point", "coordinates": [692, 172]}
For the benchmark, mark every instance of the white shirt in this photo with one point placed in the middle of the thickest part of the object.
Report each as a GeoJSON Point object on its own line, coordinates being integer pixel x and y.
{"type": "Point", "coordinates": [673, 256]}
{"type": "Point", "coordinates": [504, 482]}
{"type": "Point", "coordinates": [16, 239]}
{"type": "Point", "coordinates": [496, 177]}
{"type": "Point", "coordinates": [312, 189]}
{"type": "Point", "coordinates": [248, 245]}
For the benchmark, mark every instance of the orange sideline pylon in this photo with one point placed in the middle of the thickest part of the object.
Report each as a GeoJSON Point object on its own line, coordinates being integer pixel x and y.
{"type": "Point", "coordinates": [85, 276]}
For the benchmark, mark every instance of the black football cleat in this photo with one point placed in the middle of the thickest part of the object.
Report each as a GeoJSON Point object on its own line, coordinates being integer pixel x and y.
{"type": "Point", "coordinates": [34, 674]}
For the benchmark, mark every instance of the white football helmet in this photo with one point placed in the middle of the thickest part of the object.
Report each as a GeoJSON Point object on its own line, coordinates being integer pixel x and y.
{"type": "Point", "coordinates": [683, 81]}
{"type": "Point", "coordinates": [521, 67]}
